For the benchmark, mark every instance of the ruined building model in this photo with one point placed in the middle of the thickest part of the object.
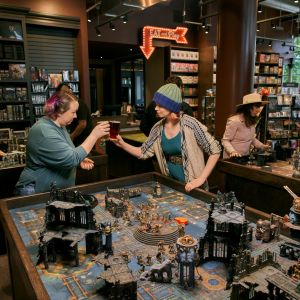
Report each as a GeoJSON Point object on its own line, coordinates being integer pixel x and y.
{"type": "Point", "coordinates": [227, 230]}
{"type": "Point", "coordinates": [187, 258]}
{"type": "Point", "coordinates": [119, 280]}
{"type": "Point", "coordinates": [267, 230]}
{"type": "Point", "coordinates": [117, 200]}
{"type": "Point", "coordinates": [69, 219]}
{"type": "Point", "coordinates": [249, 275]}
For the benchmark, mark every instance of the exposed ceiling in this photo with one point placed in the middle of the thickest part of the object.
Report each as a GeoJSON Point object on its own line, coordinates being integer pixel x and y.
{"type": "Point", "coordinates": [102, 11]}
{"type": "Point", "coordinates": [106, 10]}
{"type": "Point", "coordinates": [114, 10]}
{"type": "Point", "coordinates": [284, 5]}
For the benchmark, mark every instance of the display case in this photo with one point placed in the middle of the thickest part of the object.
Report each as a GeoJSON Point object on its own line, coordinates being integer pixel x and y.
{"type": "Point", "coordinates": [183, 62]}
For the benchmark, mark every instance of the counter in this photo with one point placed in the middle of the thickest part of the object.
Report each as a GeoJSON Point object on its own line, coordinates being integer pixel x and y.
{"type": "Point", "coordinates": [258, 188]}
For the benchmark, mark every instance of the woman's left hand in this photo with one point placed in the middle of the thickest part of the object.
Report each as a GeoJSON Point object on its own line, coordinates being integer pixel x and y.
{"type": "Point", "coordinates": [87, 164]}
{"type": "Point", "coordinates": [266, 147]}
{"type": "Point", "coordinates": [194, 184]}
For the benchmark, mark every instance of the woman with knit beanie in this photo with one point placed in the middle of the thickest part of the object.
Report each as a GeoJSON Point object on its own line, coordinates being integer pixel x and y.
{"type": "Point", "coordinates": [178, 141]}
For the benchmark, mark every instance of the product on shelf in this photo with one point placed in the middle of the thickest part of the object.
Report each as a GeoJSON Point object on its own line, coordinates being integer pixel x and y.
{"type": "Point", "coordinates": [182, 62]}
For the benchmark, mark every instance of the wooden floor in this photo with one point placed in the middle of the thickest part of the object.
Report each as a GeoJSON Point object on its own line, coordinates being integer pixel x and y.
{"type": "Point", "coordinates": [5, 290]}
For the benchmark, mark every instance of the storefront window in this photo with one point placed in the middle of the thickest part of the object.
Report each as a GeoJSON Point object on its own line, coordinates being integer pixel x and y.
{"type": "Point", "coordinates": [291, 72]}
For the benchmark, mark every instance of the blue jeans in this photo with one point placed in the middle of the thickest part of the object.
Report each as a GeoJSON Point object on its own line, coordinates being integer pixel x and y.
{"type": "Point", "coordinates": [24, 190]}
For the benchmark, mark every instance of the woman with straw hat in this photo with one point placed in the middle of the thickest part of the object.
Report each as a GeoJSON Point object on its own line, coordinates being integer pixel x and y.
{"type": "Point", "coordinates": [240, 134]}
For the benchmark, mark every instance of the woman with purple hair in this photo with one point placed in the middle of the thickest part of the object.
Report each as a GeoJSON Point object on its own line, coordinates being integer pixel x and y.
{"type": "Point", "coordinates": [50, 154]}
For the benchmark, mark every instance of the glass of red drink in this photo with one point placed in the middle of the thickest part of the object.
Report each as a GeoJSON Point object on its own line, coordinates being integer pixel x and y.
{"type": "Point", "coordinates": [114, 129]}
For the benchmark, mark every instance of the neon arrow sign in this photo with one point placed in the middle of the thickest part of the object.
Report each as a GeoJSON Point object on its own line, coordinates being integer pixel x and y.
{"type": "Point", "coordinates": [150, 33]}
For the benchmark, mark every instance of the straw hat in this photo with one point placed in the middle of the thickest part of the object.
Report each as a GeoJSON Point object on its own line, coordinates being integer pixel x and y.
{"type": "Point", "coordinates": [253, 98]}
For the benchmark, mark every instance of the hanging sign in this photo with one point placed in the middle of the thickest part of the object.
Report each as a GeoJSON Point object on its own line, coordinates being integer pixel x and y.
{"type": "Point", "coordinates": [150, 33]}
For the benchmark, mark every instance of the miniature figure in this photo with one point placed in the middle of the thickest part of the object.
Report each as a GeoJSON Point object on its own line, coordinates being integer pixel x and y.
{"type": "Point", "coordinates": [293, 220]}
{"type": "Point", "coordinates": [157, 190]}
{"type": "Point", "coordinates": [187, 258]}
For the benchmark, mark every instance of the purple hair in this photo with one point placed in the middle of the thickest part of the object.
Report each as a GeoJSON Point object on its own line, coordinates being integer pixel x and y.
{"type": "Point", "coordinates": [58, 103]}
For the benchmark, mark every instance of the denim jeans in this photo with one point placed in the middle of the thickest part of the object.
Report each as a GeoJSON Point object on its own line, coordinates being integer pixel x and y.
{"type": "Point", "coordinates": [24, 190]}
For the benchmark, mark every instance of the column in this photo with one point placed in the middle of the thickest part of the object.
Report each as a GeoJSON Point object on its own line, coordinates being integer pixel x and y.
{"type": "Point", "coordinates": [236, 54]}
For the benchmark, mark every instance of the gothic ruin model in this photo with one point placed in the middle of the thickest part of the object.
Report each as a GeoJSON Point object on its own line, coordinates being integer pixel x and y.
{"type": "Point", "coordinates": [227, 230]}
{"type": "Point", "coordinates": [69, 219]}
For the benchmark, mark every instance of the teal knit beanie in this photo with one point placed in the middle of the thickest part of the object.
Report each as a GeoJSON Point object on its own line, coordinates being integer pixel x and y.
{"type": "Point", "coordinates": [169, 97]}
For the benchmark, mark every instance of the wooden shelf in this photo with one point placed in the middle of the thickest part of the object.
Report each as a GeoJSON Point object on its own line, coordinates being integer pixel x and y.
{"type": "Point", "coordinates": [14, 121]}
{"type": "Point", "coordinates": [13, 81]}
{"type": "Point", "coordinates": [14, 102]}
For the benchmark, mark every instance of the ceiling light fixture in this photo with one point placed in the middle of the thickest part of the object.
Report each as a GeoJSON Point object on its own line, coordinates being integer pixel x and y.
{"type": "Point", "coordinates": [112, 26]}
{"type": "Point", "coordinates": [259, 9]}
{"type": "Point", "coordinates": [258, 27]}
{"type": "Point", "coordinates": [89, 18]}
{"type": "Point", "coordinates": [273, 25]}
{"type": "Point", "coordinates": [270, 44]}
{"type": "Point", "coordinates": [296, 1]}
{"type": "Point", "coordinates": [206, 30]}
{"type": "Point", "coordinates": [98, 32]}
{"type": "Point", "coordinates": [125, 19]}
{"type": "Point", "coordinates": [133, 5]}
{"type": "Point", "coordinates": [203, 24]}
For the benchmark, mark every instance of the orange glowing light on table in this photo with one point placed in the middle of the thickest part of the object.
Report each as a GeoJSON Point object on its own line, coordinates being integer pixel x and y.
{"type": "Point", "coordinates": [181, 220]}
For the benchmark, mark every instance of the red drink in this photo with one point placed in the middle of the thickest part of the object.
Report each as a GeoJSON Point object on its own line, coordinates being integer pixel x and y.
{"type": "Point", "coordinates": [114, 129]}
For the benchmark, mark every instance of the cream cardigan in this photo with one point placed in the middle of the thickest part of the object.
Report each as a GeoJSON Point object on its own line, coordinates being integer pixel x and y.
{"type": "Point", "coordinates": [194, 140]}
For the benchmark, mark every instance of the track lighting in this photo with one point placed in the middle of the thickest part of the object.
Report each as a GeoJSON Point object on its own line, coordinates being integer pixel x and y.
{"type": "Point", "coordinates": [206, 30]}
{"type": "Point", "coordinates": [112, 26]}
{"type": "Point", "coordinates": [89, 18]}
{"type": "Point", "coordinates": [203, 24]}
{"type": "Point", "coordinates": [257, 27]}
{"type": "Point", "coordinates": [270, 44]}
{"type": "Point", "coordinates": [125, 19]}
{"type": "Point", "coordinates": [273, 26]}
{"type": "Point", "coordinates": [98, 32]}
{"type": "Point", "coordinates": [259, 9]}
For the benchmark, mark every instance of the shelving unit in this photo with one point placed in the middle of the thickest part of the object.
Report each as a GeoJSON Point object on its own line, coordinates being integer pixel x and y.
{"type": "Point", "coordinates": [268, 72]}
{"type": "Point", "coordinates": [14, 101]}
{"type": "Point", "coordinates": [184, 63]}
{"type": "Point", "coordinates": [283, 119]}
{"type": "Point", "coordinates": [43, 87]}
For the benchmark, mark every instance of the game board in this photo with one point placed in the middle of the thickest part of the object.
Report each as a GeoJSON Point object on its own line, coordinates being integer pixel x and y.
{"type": "Point", "coordinates": [65, 281]}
